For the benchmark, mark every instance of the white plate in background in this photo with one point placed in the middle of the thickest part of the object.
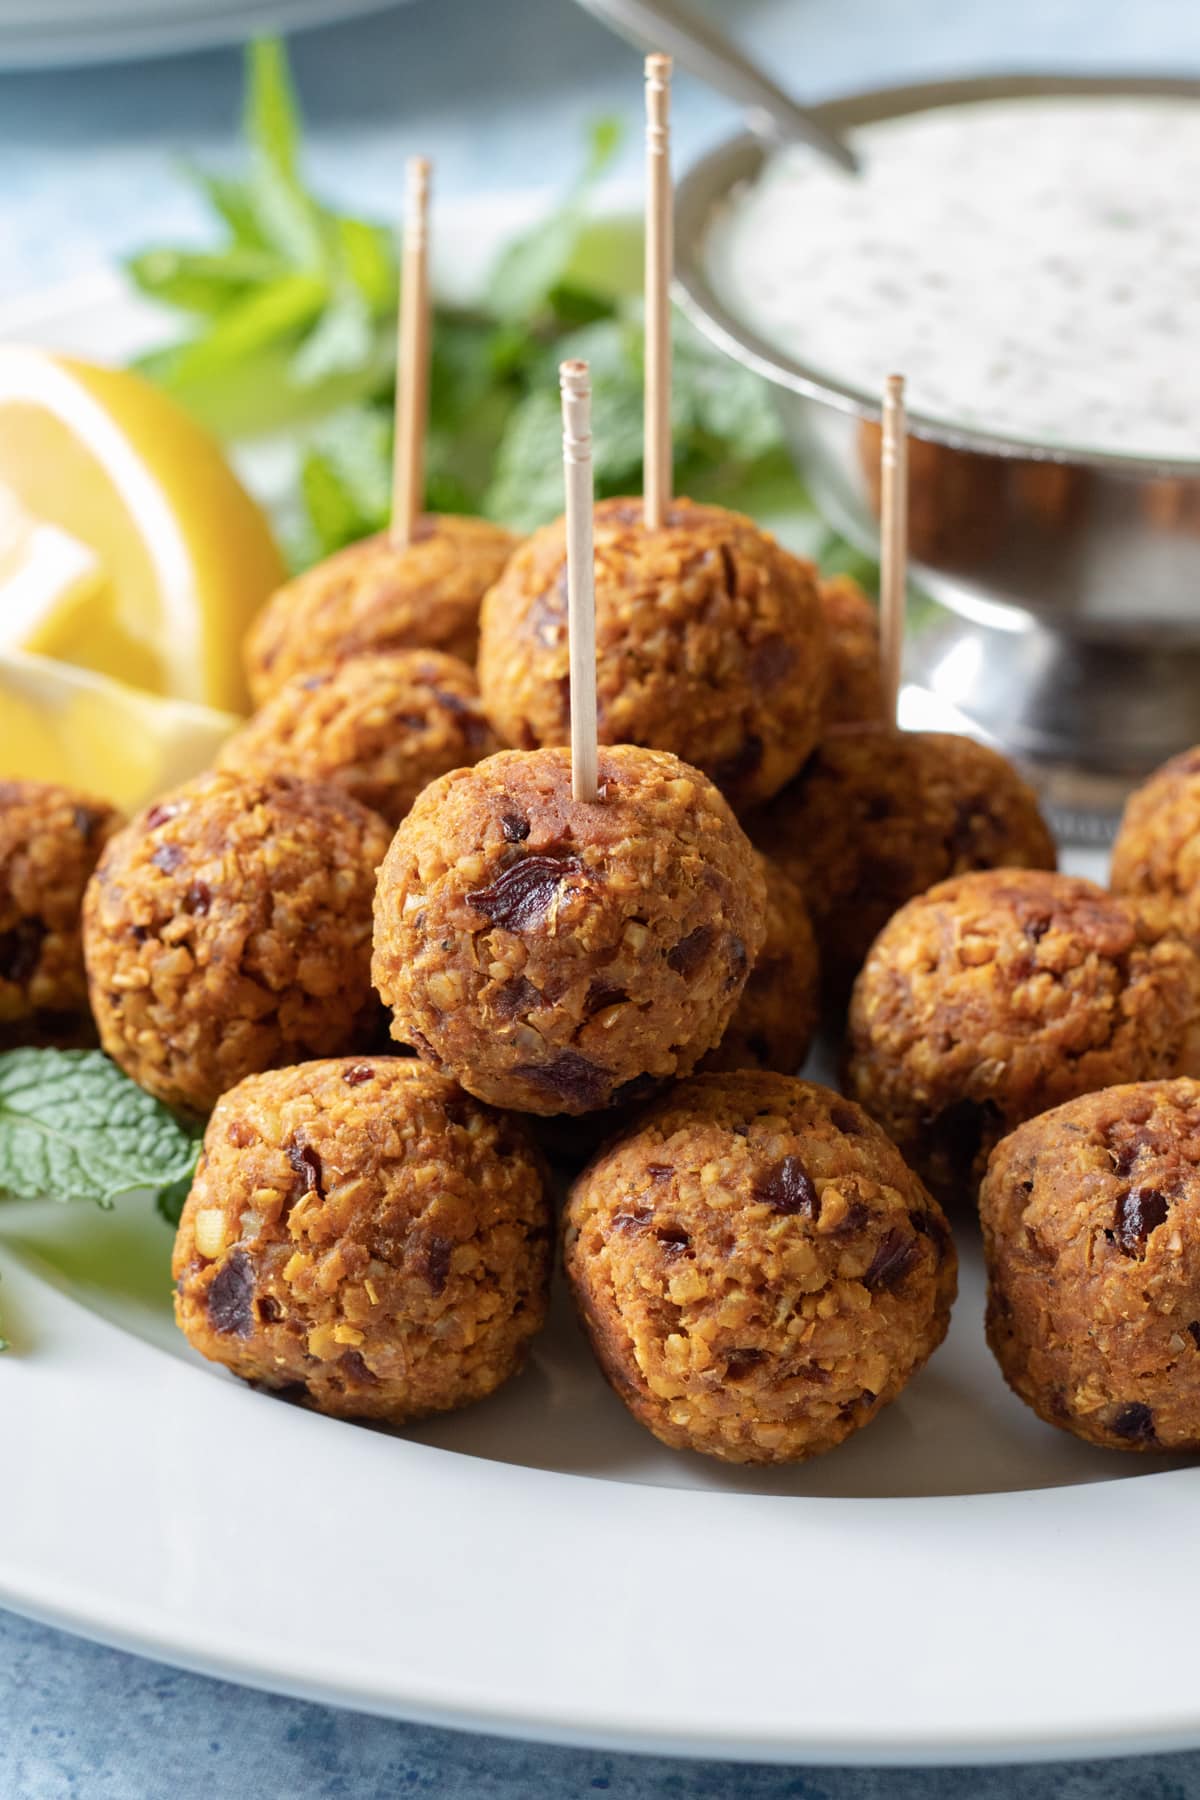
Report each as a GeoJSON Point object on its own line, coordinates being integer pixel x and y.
{"type": "Point", "coordinates": [64, 33]}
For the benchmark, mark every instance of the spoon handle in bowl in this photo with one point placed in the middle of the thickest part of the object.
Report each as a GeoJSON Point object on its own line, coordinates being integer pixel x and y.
{"type": "Point", "coordinates": [770, 113]}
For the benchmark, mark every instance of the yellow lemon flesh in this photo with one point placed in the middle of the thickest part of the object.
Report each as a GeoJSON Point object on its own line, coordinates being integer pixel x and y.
{"type": "Point", "coordinates": [152, 557]}
{"type": "Point", "coordinates": [49, 582]}
{"type": "Point", "coordinates": [59, 723]}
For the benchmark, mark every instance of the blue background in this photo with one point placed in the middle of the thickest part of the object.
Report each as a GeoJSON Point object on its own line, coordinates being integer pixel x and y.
{"type": "Point", "coordinates": [497, 91]}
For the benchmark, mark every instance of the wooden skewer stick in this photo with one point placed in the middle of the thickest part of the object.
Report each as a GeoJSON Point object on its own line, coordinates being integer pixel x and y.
{"type": "Point", "coordinates": [893, 539]}
{"type": "Point", "coordinates": [660, 257]}
{"type": "Point", "coordinates": [412, 359]}
{"type": "Point", "coordinates": [575, 381]}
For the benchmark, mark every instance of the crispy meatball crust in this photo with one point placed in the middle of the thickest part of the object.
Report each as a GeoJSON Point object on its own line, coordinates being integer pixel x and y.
{"type": "Point", "coordinates": [379, 727]}
{"type": "Point", "coordinates": [756, 1268]}
{"type": "Point", "coordinates": [879, 816]}
{"type": "Point", "coordinates": [1001, 994]}
{"type": "Point", "coordinates": [710, 643]}
{"type": "Point", "coordinates": [228, 930]}
{"type": "Point", "coordinates": [50, 839]}
{"type": "Point", "coordinates": [772, 1027]}
{"type": "Point", "coordinates": [377, 596]}
{"type": "Point", "coordinates": [777, 1016]}
{"type": "Point", "coordinates": [854, 693]}
{"type": "Point", "coordinates": [1091, 1225]}
{"type": "Point", "coordinates": [559, 956]}
{"type": "Point", "coordinates": [364, 1230]}
{"type": "Point", "coordinates": [1156, 858]}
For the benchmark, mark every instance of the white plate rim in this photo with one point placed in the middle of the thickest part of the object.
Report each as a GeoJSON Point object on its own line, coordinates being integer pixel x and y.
{"type": "Point", "coordinates": [885, 1664]}
{"type": "Point", "coordinates": [733, 1625]}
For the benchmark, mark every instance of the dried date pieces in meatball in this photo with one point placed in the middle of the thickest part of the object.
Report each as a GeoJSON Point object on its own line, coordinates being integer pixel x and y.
{"type": "Point", "coordinates": [1001, 994]}
{"type": "Point", "coordinates": [1091, 1224]}
{"type": "Point", "coordinates": [756, 1268]}
{"type": "Point", "coordinates": [379, 727]}
{"type": "Point", "coordinates": [228, 929]}
{"type": "Point", "coordinates": [710, 643]}
{"type": "Point", "coordinates": [377, 595]}
{"type": "Point", "coordinates": [559, 956]}
{"type": "Point", "coordinates": [777, 1016]}
{"type": "Point", "coordinates": [879, 816]}
{"type": "Point", "coordinates": [362, 1231]}
{"type": "Point", "coordinates": [50, 838]}
{"type": "Point", "coordinates": [1156, 858]}
{"type": "Point", "coordinates": [772, 1026]}
{"type": "Point", "coordinates": [854, 693]}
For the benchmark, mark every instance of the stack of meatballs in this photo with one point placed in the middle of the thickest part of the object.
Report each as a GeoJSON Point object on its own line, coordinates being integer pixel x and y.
{"type": "Point", "coordinates": [411, 983]}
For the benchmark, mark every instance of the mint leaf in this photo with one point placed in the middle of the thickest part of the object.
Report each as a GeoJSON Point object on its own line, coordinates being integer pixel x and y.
{"type": "Point", "coordinates": [367, 256]}
{"type": "Point", "coordinates": [715, 400]}
{"type": "Point", "coordinates": [250, 325]}
{"type": "Point", "coordinates": [73, 1127]}
{"type": "Point", "coordinates": [604, 140]}
{"type": "Point", "coordinates": [291, 327]}
{"type": "Point", "coordinates": [345, 477]}
{"type": "Point", "coordinates": [169, 1200]}
{"type": "Point", "coordinates": [285, 211]}
{"type": "Point", "coordinates": [233, 202]}
{"type": "Point", "coordinates": [340, 342]}
{"type": "Point", "coordinates": [201, 282]}
{"type": "Point", "coordinates": [272, 117]}
{"type": "Point", "coordinates": [523, 280]}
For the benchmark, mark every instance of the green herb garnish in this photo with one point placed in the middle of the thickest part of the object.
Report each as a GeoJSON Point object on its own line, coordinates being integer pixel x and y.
{"type": "Point", "coordinates": [73, 1127]}
{"type": "Point", "coordinates": [293, 329]}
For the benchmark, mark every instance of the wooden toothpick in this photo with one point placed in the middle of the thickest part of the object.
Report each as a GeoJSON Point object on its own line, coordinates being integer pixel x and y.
{"type": "Point", "coordinates": [893, 539]}
{"type": "Point", "coordinates": [412, 358]}
{"type": "Point", "coordinates": [659, 263]}
{"type": "Point", "coordinates": [575, 382]}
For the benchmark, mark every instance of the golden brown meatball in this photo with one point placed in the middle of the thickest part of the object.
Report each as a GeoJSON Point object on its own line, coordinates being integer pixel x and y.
{"type": "Point", "coordinates": [854, 695]}
{"type": "Point", "coordinates": [1001, 994]}
{"type": "Point", "coordinates": [1091, 1224]}
{"type": "Point", "coordinates": [379, 727]}
{"type": "Point", "coordinates": [363, 1231]}
{"type": "Point", "coordinates": [772, 1027]}
{"type": "Point", "coordinates": [777, 1016]}
{"type": "Point", "coordinates": [50, 838]}
{"type": "Point", "coordinates": [376, 595]}
{"type": "Point", "coordinates": [1156, 858]}
{"type": "Point", "coordinates": [878, 816]}
{"type": "Point", "coordinates": [710, 643]}
{"type": "Point", "coordinates": [556, 955]}
{"type": "Point", "coordinates": [228, 929]}
{"type": "Point", "coordinates": [756, 1269]}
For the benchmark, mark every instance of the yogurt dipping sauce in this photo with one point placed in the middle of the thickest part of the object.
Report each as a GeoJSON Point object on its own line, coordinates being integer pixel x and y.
{"type": "Point", "coordinates": [1032, 266]}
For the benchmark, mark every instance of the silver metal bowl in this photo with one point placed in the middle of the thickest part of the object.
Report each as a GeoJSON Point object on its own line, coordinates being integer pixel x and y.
{"type": "Point", "coordinates": [1064, 586]}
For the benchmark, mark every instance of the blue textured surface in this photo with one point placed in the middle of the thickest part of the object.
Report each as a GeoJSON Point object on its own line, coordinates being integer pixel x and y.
{"type": "Point", "coordinates": [497, 91]}
{"type": "Point", "coordinates": [97, 1725]}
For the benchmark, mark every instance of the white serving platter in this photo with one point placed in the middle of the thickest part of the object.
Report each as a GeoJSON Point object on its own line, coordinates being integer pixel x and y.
{"type": "Point", "coordinates": [958, 1583]}
{"type": "Point", "coordinates": [66, 33]}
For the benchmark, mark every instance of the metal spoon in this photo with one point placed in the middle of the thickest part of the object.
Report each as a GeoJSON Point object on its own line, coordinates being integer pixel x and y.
{"type": "Point", "coordinates": [770, 113]}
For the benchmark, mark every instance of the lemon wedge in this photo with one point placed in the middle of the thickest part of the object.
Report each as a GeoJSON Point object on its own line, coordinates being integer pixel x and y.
{"type": "Point", "coordinates": [48, 580]}
{"type": "Point", "coordinates": [143, 556]}
{"type": "Point", "coordinates": [59, 723]}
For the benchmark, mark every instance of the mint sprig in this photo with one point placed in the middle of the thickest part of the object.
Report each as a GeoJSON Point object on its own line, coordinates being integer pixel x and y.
{"type": "Point", "coordinates": [73, 1127]}
{"type": "Point", "coordinates": [288, 325]}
